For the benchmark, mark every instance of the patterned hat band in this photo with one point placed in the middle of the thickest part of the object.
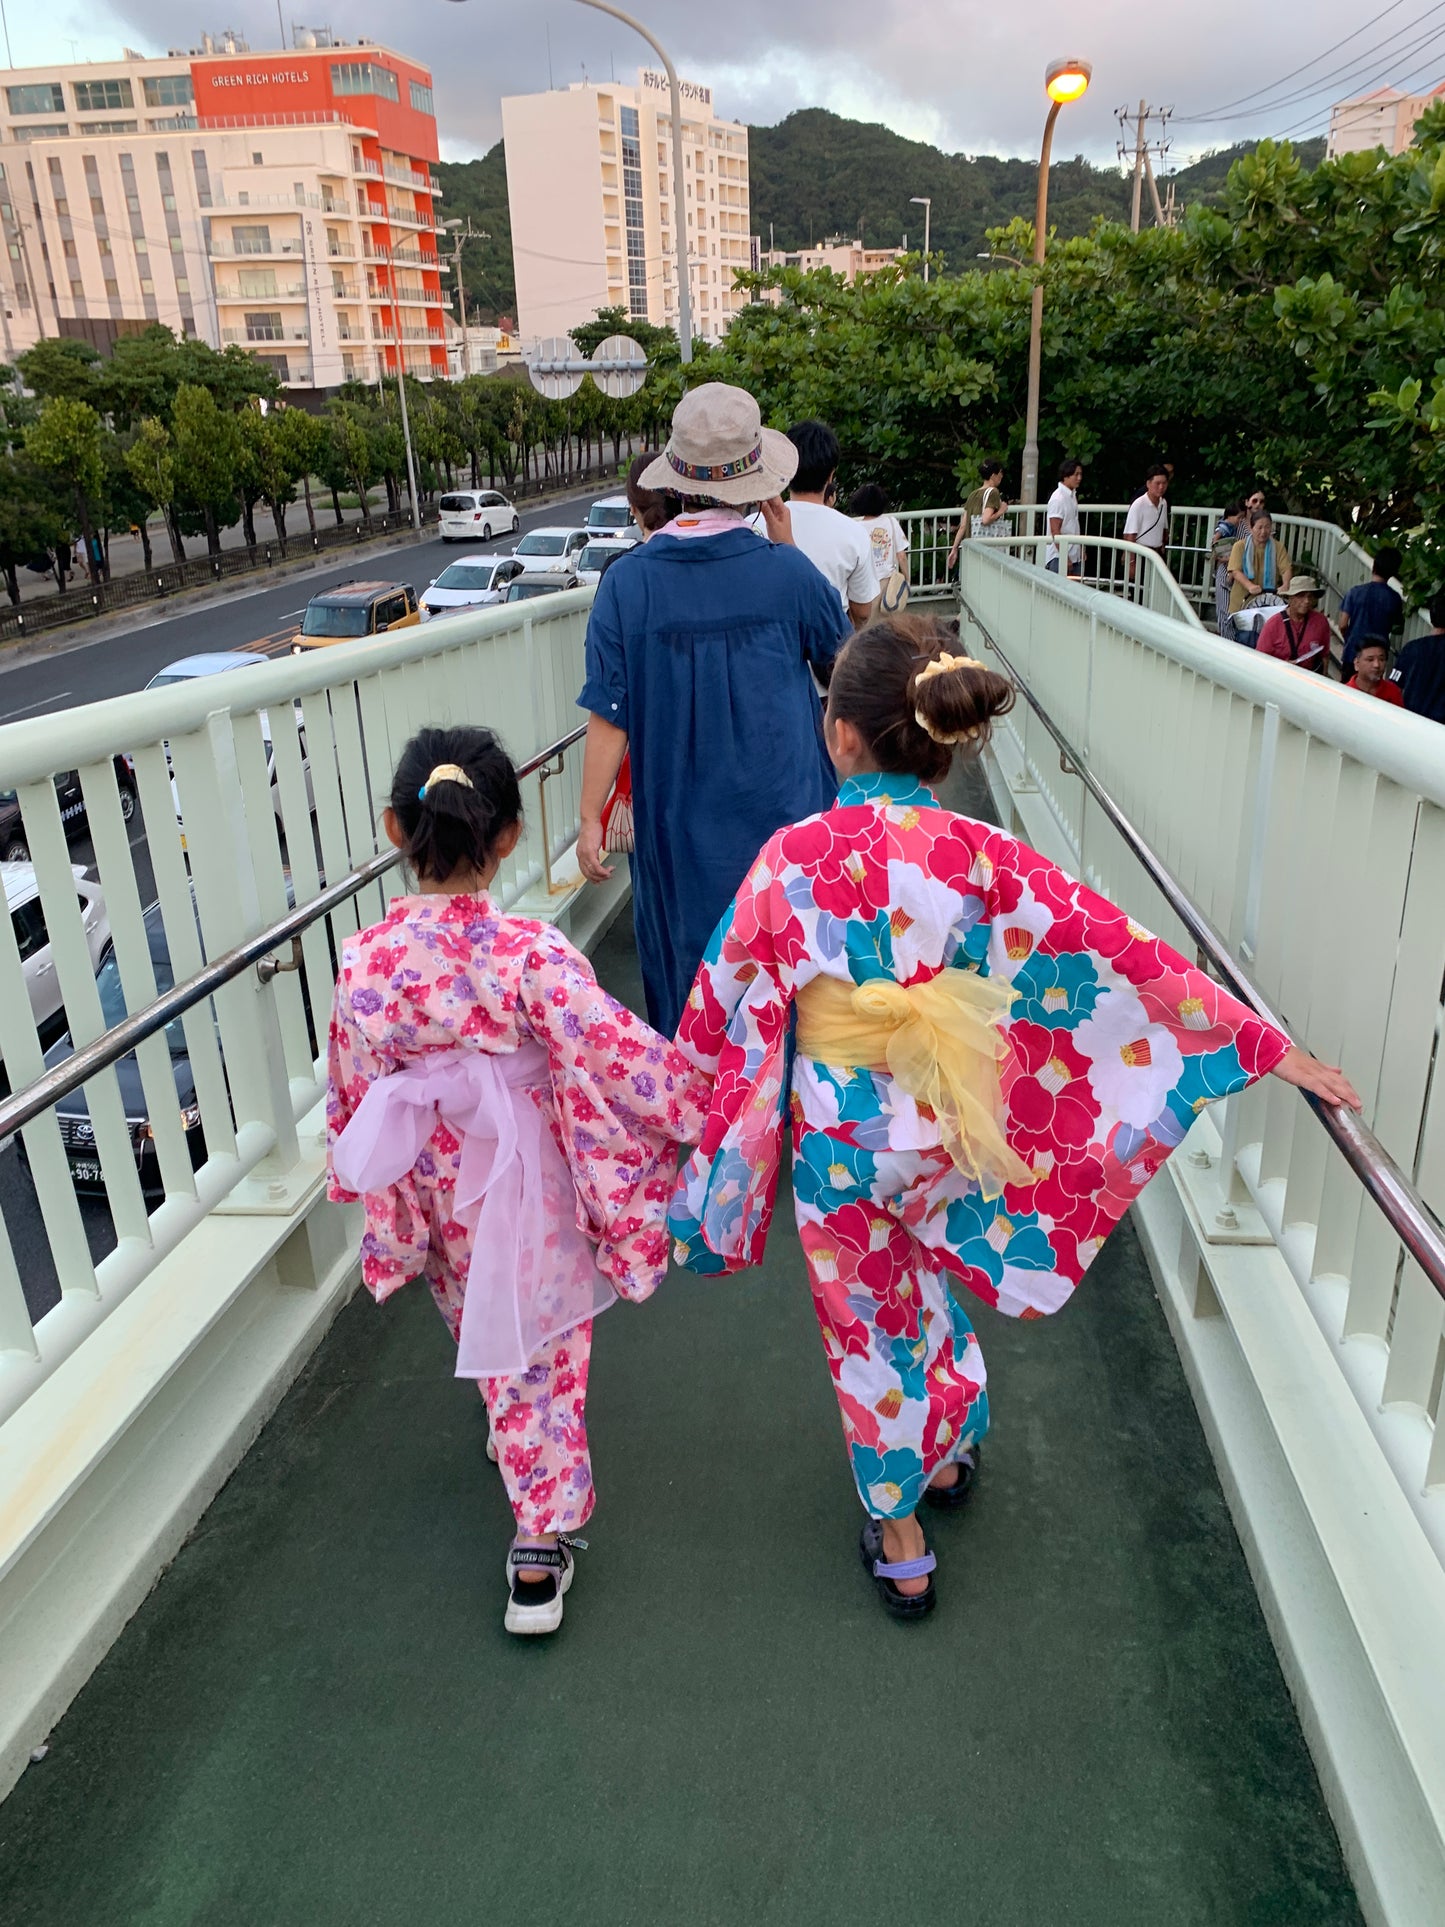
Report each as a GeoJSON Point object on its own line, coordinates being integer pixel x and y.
{"type": "Point", "coordinates": [717, 471]}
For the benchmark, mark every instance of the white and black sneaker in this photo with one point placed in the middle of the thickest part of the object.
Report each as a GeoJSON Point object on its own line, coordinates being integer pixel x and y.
{"type": "Point", "coordinates": [535, 1605]}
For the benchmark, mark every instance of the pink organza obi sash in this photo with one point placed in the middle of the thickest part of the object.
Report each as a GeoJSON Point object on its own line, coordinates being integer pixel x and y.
{"type": "Point", "coordinates": [533, 1273]}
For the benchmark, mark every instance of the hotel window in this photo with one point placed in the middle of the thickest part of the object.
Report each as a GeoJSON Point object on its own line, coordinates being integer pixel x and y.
{"type": "Point", "coordinates": [421, 99]}
{"type": "Point", "coordinates": [264, 327]}
{"type": "Point", "coordinates": [251, 240]}
{"type": "Point", "coordinates": [109, 127]}
{"type": "Point", "coordinates": [51, 130]}
{"type": "Point", "coordinates": [44, 97]}
{"type": "Point", "coordinates": [256, 281]}
{"type": "Point", "coordinates": [364, 77]}
{"type": "Point", "coordinates": [169, 90]}
{"type": "Point", "coordinates": [203, 175]}
{"type": "Point", "coordinates": [95, 96]}
{"type": "Point", "coordinates": [632, 211]}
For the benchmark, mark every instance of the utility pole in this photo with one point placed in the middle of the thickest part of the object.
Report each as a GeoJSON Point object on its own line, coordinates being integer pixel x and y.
{"type": "Point", "coordinates": [1140, 155]}
{"type": "Point", "coordinates": [461, 233]}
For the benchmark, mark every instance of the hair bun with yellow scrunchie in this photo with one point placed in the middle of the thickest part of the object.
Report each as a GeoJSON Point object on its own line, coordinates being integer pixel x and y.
{"type": "Point", "coordinates": [913, 696]}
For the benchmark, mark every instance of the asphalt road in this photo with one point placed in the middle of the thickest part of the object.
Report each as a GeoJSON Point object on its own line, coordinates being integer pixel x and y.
{"type": "Point", "coordinates": [119, 664]}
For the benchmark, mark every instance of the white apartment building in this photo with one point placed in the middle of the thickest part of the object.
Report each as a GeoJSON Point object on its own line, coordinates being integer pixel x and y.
{"type": "Point", "coordinates": [1382, 118]}
{"type": "Point", "coordinates": [589, 183]}
{"type": "Point", "coordinates": [847, 258]}
{"type": "Point", "coordinates": [282, 202]}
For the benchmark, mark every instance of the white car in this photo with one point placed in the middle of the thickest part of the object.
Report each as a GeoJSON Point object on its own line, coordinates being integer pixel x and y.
{"type": "Point", "coordinates": [610, 520]}
{"type": "Point", "coordinates": [545, 551]}
{"type": "Point", "coordinates": [32, 939]}
{"type": "Point", "coordinates": [595, 557]}
{"type": "Point", "coordinates": [476, 515]}
{"type": "Point", "coordinates": [471, 582]}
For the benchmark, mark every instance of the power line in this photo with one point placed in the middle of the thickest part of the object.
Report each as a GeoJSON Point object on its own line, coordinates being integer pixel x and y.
{"type": "Point", "coordinates": [1355, 62]}
{"type": "Point", "coordinates": [1305, 68]}
{"type": "Point", "coordinates": [1311, 121]}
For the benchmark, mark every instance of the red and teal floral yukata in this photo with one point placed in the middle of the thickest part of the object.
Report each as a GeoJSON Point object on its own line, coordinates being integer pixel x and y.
{"type": "Point", "coordinates": [1114, 1044]}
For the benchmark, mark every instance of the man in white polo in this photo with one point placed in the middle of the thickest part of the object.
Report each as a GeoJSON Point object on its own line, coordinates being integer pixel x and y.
{"type": "Point", "coordinates": [1062, 516]}
{"type": "Point", "coordinates": [1147, 522]}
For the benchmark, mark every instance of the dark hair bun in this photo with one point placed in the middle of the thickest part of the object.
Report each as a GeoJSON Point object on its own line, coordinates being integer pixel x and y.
{"type": "Point", "coordinates": [914, 697]}
{"type": "Point", "coordinates": [451, 821]}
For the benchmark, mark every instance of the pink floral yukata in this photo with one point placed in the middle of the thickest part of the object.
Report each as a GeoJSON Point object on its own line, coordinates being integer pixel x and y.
{"type": "Point", "coordinates": [441, 973]}
{"type": "Point", "coordinates": [1115, 1044]}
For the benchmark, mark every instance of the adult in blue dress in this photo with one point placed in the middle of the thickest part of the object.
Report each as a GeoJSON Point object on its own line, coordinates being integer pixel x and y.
{"type": "Point", "coordinates": [702, 652]}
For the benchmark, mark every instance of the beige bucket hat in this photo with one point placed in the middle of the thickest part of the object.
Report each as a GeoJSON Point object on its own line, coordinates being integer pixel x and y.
{"type": "Point", "coordinates": [719, 447]}
{"type": "Point", "coordinates": [1303, 585]}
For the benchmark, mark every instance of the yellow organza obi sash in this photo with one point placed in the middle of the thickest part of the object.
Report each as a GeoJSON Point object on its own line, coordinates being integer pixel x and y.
{"type": "Point", "coordinates": [940, 1041]}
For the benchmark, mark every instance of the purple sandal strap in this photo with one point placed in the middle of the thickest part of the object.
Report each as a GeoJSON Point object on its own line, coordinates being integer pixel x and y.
{"type": "Point", "coordinates": [905, 1568]}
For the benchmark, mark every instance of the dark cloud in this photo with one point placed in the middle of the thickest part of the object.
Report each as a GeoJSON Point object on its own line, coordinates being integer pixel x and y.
{"type": "Point", "coordinates": [964, 73]}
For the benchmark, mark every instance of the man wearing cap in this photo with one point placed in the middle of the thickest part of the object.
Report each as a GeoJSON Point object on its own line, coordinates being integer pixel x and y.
{"type": "Point", "coordinates": [1298, 633]}
{"type": "Point", "coordinates": [701, 657]}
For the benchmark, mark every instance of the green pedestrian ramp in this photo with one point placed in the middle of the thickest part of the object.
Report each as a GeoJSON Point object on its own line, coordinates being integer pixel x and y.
{"type": "Point", "coordinates": [317, 1720]}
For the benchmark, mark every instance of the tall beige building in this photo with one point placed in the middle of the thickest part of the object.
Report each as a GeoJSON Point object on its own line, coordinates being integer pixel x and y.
{"type": "Point", "coordinates": [589, 182]}
{"type": "Point", "coordinates": [282, 201]}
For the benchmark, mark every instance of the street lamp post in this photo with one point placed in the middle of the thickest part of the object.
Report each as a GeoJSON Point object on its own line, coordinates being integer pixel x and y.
{"type": "Point", "coordinates": [925, 201]}
{"type": "Point", "coordinates": [679, 209]}
{"type": "Point", "coordinates": [1065, 81]}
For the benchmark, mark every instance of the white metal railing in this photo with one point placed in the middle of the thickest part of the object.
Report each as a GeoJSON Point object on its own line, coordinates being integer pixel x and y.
{"type": "Point", "coordinates": [253, 787]}
{"type": "Point", "coordinates": [1308, 824]}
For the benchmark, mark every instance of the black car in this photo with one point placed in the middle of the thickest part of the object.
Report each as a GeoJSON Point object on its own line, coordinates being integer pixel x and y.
{"type": "Point", "coordinates": [15, 846]}
{"type": "Point", "coordinates": [72, 1112]}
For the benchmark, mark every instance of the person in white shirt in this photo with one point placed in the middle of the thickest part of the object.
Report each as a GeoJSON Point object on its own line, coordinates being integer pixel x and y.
{"type": "Point", "coordinates": [1063, 517]}
{"type": "Point", "coordinates": [839, 548]}
{"type": "Point", "coordinates": [871, 510]}
{"type": "Point", "coordinates": [1147, 522]}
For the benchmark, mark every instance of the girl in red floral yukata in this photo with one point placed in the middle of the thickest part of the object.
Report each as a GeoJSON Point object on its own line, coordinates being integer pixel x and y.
{"type": "Point", "coordinates": [982, 1062]}
{"type": "Point", "coordinates": [513, 1133]}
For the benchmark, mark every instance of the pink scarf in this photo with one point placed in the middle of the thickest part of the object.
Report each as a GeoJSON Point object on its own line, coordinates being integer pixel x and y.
{"type": "Point", "coordinates": [533, 1273]}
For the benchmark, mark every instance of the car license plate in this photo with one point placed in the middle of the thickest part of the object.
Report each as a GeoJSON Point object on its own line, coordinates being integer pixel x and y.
{"type": "Point", "coordinates": [85, 1170]}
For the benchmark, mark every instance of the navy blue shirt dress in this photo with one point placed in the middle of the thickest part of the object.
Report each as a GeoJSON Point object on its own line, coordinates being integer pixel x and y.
{"type": "Point", "coordinates": [703, 649]}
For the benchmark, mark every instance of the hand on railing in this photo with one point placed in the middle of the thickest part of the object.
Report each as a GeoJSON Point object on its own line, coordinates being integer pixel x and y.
{"type": "Point", "coordinates": [1326, 1081]}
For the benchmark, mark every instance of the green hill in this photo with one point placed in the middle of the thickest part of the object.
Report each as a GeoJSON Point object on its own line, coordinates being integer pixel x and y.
{"type": "Point", "coordinates": [816, 174]}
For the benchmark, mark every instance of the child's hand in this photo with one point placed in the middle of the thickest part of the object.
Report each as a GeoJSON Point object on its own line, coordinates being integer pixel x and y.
{"type": "Point", "coordinates": [1299, 1068]}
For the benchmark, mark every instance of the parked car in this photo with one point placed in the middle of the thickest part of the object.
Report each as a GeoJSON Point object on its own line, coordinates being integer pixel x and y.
{"type": "Point", "coordinates": [15, 845]}
{"type": "Point", "coordinates": [354, 610]}
{"type": "Point", "coordinates": [32, 939]}
{"type": "Point", "coordinates": [610, 520]}
{"type": "Point", "coordinates": [596, 557]}
{"type": "Point", "coordinates": [543, 550]}
{"type": "Point", "coordinates": [476, 515]}
{"type": "Point", "coordinates": [471, 582]}
{"type": "Point", "coordinates": [553, 583]}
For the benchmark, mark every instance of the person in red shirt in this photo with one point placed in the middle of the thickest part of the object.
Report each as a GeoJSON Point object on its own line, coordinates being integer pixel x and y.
{"type": "Point", "coordinates": [1372, 659]}
{"type": "Point", "coordinates": [1298, 633]}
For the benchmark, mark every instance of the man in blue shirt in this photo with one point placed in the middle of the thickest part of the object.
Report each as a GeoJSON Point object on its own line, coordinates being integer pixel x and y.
{"type": "Point", "coordinates": [1371, 608]}
{"type": "Point", "coordinates": [1420, 671]}
{"type": "Point", "coordinates": [701, 656]}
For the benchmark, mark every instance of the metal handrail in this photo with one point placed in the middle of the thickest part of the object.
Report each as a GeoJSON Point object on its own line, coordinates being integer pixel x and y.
{"type": "Point", "coordinates": [1405, 1210]}
{"type": "Point", "coordinates": [1114, 544]}
{"type": "Point", "coordinates": [26, 1104]}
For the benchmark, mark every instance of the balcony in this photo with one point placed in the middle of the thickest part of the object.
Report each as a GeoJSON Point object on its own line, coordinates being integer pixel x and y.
{"type": "Point", "coordinates": [416, 298]}
{"type": "Point", "coordinates": [283, 291]}
{"type": "Point", "coordinates": [408, 217]}
{"type": "Point", "coordinates": [345, 291]}
{"type": "Point", "coordinates": [414, 258]}
{"type": "Point", "coordinates": [245, 339]}
{"type": "Point", "coordinates": [410, 177]}
{"type": "Point", "coordinates": [277, 250]}
{"type": "Point", "coordinates": [366, 166]}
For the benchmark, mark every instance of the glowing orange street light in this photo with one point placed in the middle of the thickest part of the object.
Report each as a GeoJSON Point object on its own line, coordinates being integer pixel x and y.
{"type": "Point", "coordinates": [1065, 81]}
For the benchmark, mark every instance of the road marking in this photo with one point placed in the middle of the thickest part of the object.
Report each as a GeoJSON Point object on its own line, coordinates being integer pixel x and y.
{"type": "Point", "coordinates": [25, 708]}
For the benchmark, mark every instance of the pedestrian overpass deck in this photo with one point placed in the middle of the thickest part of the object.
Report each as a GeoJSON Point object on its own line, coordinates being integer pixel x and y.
{"type": "Point", "coordinates": [1186, 1665]}
{"type": "Point", "coordinates": [317, 1718]}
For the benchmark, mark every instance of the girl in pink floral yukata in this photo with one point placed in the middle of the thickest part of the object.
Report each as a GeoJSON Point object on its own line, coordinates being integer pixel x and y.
{"type": "Point", "coordinates": [513, 1133]}
{"type": "Point", "coordinates": [982, 1062]}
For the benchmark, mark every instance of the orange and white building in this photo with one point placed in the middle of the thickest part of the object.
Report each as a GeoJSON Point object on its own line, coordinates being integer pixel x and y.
{"type": "Point", "coordinates": [1383, 118]}
{"type": "Point", "coordinates": [284, 202]}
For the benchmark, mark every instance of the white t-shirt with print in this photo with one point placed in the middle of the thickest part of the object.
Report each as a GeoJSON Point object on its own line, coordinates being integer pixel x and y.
{"type": "Point", "coordinates": [1064, 509]}
{"type": "Point", "coordinates": [1148, 522]}
{"type": "Point", "coordinates": [838, 547]}
{"type": "Point", "coordinates": [890, 544]}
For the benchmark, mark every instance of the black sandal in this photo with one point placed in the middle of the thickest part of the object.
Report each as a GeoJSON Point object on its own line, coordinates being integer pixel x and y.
{"type": "Point", "coordinates": [902, 1605]}
{"type": "Point", "coordinates": [948, 1498]}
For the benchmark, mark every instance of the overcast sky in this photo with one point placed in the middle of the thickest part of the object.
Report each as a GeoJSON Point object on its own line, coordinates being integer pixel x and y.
{"type": "Point", "coordinates": [966, 74]}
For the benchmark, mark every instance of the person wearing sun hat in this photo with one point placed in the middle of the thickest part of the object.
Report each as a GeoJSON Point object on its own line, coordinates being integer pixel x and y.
{"type": "Point", "coordinates": [701, 659]}
{"type": "Point", "coordinates": [1298, 632]}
